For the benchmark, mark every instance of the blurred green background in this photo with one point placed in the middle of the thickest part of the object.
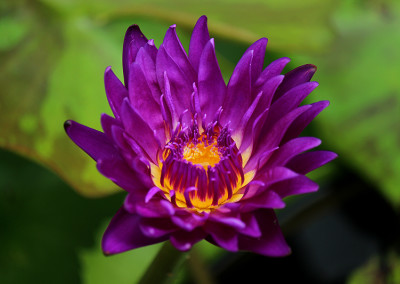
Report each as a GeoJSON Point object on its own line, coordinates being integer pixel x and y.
{"type": "Point", "coordinates": [54, 205]}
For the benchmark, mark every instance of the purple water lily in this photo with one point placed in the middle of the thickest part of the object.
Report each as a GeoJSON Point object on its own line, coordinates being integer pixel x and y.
{"type": "Point", "coordinates": [201, 159]}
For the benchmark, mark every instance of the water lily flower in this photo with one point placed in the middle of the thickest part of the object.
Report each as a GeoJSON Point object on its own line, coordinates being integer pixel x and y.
{"type": "Point", "coordinates": [199, 158]}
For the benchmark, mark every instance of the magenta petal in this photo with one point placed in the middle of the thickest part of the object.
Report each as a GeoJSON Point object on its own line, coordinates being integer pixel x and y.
{"type": "Point", "coordinates": [121, 174]}
{"type": "Point", "coordinates": [273, 136]}
{"type": "Point", "coordinates": [268, 90]}
{"type": "Point", "coordinates": [290, 100]}
{"type": "Point", "coordinates": [253, 127]}
{"type": "Point", "coordinates": [231, 221]}
{"type": "Point", "coordinates": [306, 162]}
{"type": "Point", "coordinates": [273, 69]}
{"type": "Point", "coordinates": [123, 233]}
{"type": "Point", "coordinates": [139, 130]}
{"type": "Point", "coordinates": [252, 228]}
{"type": "Point", "coordinates": [211, 83]}
{"type": "Point", "coordinates": [304, 119]}
{"type": "Point", "coordinates": [184, 241]}
{"type": "Point", "coordinates": [238, 96]}
{"type": "Point", "coordinates": [95, 143]}
{"type": "Point", "coordinates": [155, 209]}
{"type": "Point", "coordinates": [223, 236]}
{"type": "Point", "coordinates": [156, 227]}
{"type": "Point", "coordinates": [265, 199]}
{"type": "Point", "coordinates": [141, 98]}
{"type": "Point", "coordinates": [181, 88]}
{"type": "Point", "coordinates": [146, 58]}
{"type": "Point", "coordinates": [258, 58]}
{"type": "Point", "coordinates": [107, 122]}
{"type": "Point", "coordinates": [265, 177]}
{"type": "Point", "coordinates": [295, 77]}
{"type": "Point", "coordinates": [292, 148]}
{"type": "Point", "coordinates": [133, 41]}
{"type": "Point", "coordinates": [272, 242]}
{"type": "Point", "coordinates": [296, 185]}
{"type": "Point", "coordinates": [115, 91]}
{"type": "Point", "coordinates": [188, 221]}
{"type": "Point", "coordinates": [176, 51]}
{"type": "Point", "coordinates": [198, 41]}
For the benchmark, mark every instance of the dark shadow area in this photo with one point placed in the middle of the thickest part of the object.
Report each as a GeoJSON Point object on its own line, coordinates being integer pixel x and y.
{"type": "Point", "coordinates": [44, 223]}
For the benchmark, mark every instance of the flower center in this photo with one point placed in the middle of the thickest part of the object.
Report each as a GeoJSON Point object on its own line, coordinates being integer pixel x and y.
{"type": "Point", "coordinates": [202, 154]}
{"type": "Point", "coordinates": [201, 172]}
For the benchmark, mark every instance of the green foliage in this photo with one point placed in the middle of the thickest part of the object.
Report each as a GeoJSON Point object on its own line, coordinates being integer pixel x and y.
{"type": "Point", "coordinates": [360, 77]}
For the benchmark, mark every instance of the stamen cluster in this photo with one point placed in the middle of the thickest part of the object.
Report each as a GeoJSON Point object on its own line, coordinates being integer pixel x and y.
{"type": "Point", "coordinates": [213, 180]}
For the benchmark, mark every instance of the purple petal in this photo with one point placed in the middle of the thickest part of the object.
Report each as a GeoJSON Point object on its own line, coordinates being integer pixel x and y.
{"type": "Point", "coordinates": [123, 233]}
{"type": "Point", "coordinates": [135, 202]}
{"type": "Point", "coordinates": [276, 174]}
{"type": "Point", "coordinates": [121, 174]}
{"type": "Point", "coordinates": [184, 241]}
{"type": "Point", "coordinates": [175, 49]}
{"type": "Point", "coordinates": [107, 122]}
{"type": "Point", "coordinates": [252, 229]}
{"type": "Point", "coordinates": [296, 185]}
{"type": "Point", "coordinates": [211, 84]}
{"type": "Point", "coordinates": [291, 149]}
{"type": "Point", "coordinates": [231, 221]}
{"type": "Point", "coordinates": [272, 242]}
{"type": "Point", "coordinates": [181, 88]}
{"type": "Point", "coordinates": [146, 58]}
{"type": "Point", "coordinates": [141, 99]}
{"type": "Point", "coordinates": [115, 91]}
{"type": "Point", "coordinates": [238, 97]}
{"type": "Point", "coordinates": [258, 58]}
{"type": "Point", "coordinates": [198, 41]}
{"type": "Point", "coordinates": [295, 77]}
{"type": "Point", "coordinates": [268, 90]}
{"type": "Point", "coordinates": [245, 122]}
{"type": "Point", "coordinates": [264, 199]}
{"type": "Point", "coordinates": [289, 101]}
{"type": "Point", "coordinates": [223, 236]}
{"type": "Point", "coordinates": [309, 161]}
{"type": "Point", "coordinates": [253, 127]}
{"type": "Point", "coordinates": [128, 152]}
{"type": "Point", "coordinates": [273, 136]}
{"type": "Point", "coordinates": [156, 227]}
{"type": "Point", "coordinates": [139, 130]}
{"type": "Point", "coordinates": [155, 208]}
{"type": "Point", "coordinates": [304, 119]}
{"type": "Point", "coordinates": [272, 70]}
{"type": "Point", "coordinates": [169, 106]}
{"type": "Point", "coordinates": [133, 41]}
{"type": "Point", "coordinates": [95, 143]}
{"type": "Point", "coordinates": [188, 221]}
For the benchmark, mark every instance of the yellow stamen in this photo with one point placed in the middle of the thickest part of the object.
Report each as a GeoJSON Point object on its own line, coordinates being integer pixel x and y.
{"type": "Point", "coordinates": [200, 154]}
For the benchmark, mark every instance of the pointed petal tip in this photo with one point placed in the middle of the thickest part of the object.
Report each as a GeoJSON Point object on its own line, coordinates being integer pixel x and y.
{"type": "Point", "coordinates": [67, 124]}
{"type": "Point", "coordinates": [108, 69]}
{"type": "Point", "coordinates": [262, 41]}
{"type": "Point", "coordinates": [284, 59]}
{"type": "Point", "coordinates": [132, 28]}
{"type": "Point", "coordinates": [311, 68]}
{"type": "Point", "coordinates": [325, 103]}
